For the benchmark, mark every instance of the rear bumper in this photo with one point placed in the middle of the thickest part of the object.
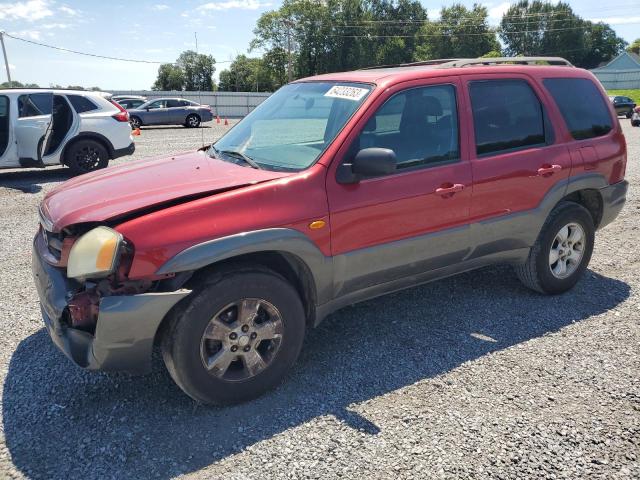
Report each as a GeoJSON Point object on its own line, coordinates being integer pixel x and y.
{"type": "Point", "coordinates": [121, 152]}
{"type": "Point", "coordinates": [613, 199]}
{"type": "Point", "coordinates": [126, 326]}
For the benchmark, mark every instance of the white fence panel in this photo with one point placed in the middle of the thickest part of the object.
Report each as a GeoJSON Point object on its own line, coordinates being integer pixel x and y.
{"type": "Point", "coordinates": [224, 104]}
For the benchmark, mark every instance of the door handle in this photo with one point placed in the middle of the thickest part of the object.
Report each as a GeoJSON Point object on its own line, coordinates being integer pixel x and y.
{"type": "Point", "coordinates": [546, 171]}
{"type": "Point", "coordinates": [448, 189]}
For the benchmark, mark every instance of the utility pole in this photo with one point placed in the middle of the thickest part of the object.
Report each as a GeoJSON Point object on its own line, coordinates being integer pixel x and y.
{"type": "Point", "coordinates": [288, 24]}
{"type": "Point", "coordinates": [6, 61]}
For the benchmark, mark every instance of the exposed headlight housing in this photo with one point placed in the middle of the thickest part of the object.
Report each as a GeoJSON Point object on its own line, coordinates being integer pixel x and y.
{"type": "Point", "coordinates": [95, 254]}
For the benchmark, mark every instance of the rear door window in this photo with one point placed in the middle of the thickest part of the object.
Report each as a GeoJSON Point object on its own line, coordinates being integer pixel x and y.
{"type": "Point", "coordinates": [581, 105]}
{"type": "Point", "coordinates": [174, 103]}
{"type": "Point", "coordinates": [35, 104]}
{"type": "Point", "coordinates": [81, 104]}
{"type": "Point", "coordinates": [507, 115]}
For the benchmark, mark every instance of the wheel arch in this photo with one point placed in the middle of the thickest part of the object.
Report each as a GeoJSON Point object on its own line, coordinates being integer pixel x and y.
{"type": "Point", "coordinates": [286, 251]}
{"type": "Point", "coordinates": [104, 141]}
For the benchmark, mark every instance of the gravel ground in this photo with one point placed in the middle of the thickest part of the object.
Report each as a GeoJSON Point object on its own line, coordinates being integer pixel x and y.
{"type": "Point", "coordinates": [470, 377]}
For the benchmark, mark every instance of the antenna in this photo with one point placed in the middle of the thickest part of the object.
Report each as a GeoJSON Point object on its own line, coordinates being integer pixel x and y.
{"type": "Point", "coordinates": [195, 34]}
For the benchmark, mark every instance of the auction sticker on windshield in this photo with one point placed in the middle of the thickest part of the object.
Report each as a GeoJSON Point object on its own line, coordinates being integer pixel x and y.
{"type": "Point", "coordinates": [348, 93]}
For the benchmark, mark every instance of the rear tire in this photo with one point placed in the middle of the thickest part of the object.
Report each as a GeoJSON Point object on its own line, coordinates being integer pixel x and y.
{"type": "Point", "coordinates": [567, 239]}
{"type": "Point", "coordinates": [192, 121]}
{"type": "Point", "coordinates": [135, 123]}
{"type": "Point", "coordinates": [86, 156]}
{"type": "Point", "coordinates": [215, 346]}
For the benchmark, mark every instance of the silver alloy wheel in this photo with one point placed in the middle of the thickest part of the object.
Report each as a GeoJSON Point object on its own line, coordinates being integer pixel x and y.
{"type": "Point", "coordinates": [242, 339]}
{"type": "Point", "coordinates": [135, 123]}
{"type": "Point", "coordinates": [567, 250]}
{"type": "Point", "coordinates": [193, 121]}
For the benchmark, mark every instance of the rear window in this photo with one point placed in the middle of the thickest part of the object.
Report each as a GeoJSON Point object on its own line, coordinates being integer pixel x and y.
{"type": "Point", "coordinates": [81, 104]}
{"type": "Point", "coordinates": [582, 106]}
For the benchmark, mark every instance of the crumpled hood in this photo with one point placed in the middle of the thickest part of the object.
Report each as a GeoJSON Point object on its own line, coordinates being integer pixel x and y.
{"type": "Point", "coordinates": [124, 189]}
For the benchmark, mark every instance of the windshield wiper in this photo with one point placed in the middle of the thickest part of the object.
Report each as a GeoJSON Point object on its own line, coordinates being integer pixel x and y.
{"type": "Point", "coordinates": [234, 153]}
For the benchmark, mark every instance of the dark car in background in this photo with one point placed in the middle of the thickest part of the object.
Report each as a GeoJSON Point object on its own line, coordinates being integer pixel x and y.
{"type": "Point", "coordinates": [623, 105]}
{"type": "Point", "coordinates": [170, 111]}
{"type": "Point", "coordinates": [129, 101]}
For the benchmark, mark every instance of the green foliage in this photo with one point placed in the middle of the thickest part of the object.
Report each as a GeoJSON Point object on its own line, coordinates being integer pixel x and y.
{"type": "Point", "coordinates": [633, 94]}
{"type": "Point", "coordinates": [634, 47]}
{"type": "Point", "coordinates": [247, 75]}
{"type": "Point", "coordinates": [16, 84]}
{"type": "Point", "coordinates": [191, 72]}
{"type": "Point", "coordinates": [459, 33]}
{"type": "Point", "coordinates": [541, 28]}
{"type": "Point", "coordinates": [492, 54]}
{"type": "Point", "coordinates": [198, 70]}
{"type": "Point", "coordinates": [170, 77]}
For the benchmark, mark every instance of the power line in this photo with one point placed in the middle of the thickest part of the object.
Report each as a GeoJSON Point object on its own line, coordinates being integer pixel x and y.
{"type": "Point", "coordinates": [95, 55]}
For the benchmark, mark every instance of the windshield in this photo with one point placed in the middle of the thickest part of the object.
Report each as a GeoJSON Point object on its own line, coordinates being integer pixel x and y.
{"type": "Point", "coordinates": [290, 129]}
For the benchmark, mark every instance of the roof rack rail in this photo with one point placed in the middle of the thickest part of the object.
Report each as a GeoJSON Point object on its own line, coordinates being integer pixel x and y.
{"type": "Point", "coordinates": [439, 61]}
{"type": "Point", "coordinates": [468, 62]}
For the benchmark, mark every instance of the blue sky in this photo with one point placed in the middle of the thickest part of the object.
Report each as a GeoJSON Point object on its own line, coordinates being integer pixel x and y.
{"type": "Point", "coordinates": [159, 31]}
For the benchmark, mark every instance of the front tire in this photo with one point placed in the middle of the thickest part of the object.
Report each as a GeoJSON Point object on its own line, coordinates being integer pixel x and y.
{"type": "Point", "coordinates": [237, 338]}
{"type": "Point", "coordinates": [86, 156]}
{"type": "Point", "coordinates": [192, 121]}
{"type": "Point", "coordinates": [562, 251]}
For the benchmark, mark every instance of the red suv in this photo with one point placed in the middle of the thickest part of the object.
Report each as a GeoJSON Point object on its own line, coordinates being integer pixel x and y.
{"type": "Point", "coordinates": [336, 189]}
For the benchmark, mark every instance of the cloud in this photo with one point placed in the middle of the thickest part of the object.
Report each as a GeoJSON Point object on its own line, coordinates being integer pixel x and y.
{"type": "Point", "coordinates": [617, 20]}
{"type": "Point", "coordinates": [30, 10]}
{"type": "Point", "coordinates": [160, 7]}
{"type": "Point", "coordinates": [53, 26]}
{"type": "Point", "coordinates": [12, 66]}
{"type": "Point", "coordinates": [69, 11]}
{"type": "Point", "coordinates": [496, 13]}
{"type": "Point", "coordinates": [29, 34]}
{"type": "Point", "coordinates": [233, 4]}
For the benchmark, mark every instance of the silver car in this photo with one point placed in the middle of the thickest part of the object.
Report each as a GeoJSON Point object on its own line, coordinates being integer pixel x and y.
{"type": "Point", "coordinates": [170, 111]}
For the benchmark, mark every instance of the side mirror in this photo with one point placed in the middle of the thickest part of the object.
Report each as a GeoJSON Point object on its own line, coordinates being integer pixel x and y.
{"type": "Point", "coordinates": [368, 162]}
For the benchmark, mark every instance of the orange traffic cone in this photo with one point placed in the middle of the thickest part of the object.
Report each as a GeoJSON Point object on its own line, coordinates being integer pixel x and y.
{"type": "Point", "coordinates": [217, 119]}
{"type": "Point", "coordinates": [136, 132]}
{"type": "Point", "coordinates": [226, 122]}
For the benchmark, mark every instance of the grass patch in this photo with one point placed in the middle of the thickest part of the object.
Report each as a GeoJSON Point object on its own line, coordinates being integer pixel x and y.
{"type": "Point", "coordinates": [634, 94]}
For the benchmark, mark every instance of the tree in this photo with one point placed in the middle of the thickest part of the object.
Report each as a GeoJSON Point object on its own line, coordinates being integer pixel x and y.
{"type": "Point", "coordinates": [634, 47]}
{"type": "Point", "coordinates": [170, 77]}
{"type": "Point", "coordinates": [246, 75]}
{"type": "Point", "coordinates": [16, 84]}
{"type": "Point", "coordinates": [459, 32]}
{"type": "Point", "coordinates": [198, 70]}
{"type": "Point", "coordinates": [540, 28]}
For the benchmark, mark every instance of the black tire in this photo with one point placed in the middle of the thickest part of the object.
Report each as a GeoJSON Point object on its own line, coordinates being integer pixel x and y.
{"type": "Point", "coordinates": [536, 273]}
{"type": "Point", "coordinates": [181, 341]}
{"type": "Point", "coordinates": [635, 124]}
{"type": "Point", "coordinates": [629, 114]}
{"type": "Point", "coordinates": [86, 156]}
{"type": "Point", "coordinates": [135, 122]}
{"type": "Point", "coordinates": [192, 121]}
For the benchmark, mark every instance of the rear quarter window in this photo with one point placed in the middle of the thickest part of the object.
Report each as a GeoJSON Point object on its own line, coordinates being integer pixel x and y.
{"type": "Point", "coordinates": [582, 106]}
{"type": "Point", "coordinates": [81, 104]}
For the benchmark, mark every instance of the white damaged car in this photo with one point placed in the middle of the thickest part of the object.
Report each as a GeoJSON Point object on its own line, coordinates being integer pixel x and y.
{"type": "Point", "coordinates": [41, 127]}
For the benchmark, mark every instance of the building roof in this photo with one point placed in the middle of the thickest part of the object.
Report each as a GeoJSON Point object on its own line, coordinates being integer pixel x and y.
{"type": "Point", "coordinates": [626, 61]}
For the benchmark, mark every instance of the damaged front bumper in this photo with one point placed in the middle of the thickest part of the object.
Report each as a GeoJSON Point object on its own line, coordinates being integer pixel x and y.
{"type": "Point", "coordinates": [126, 325]}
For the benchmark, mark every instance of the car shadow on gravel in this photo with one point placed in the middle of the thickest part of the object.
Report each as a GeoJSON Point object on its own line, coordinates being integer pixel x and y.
{"type": "Point", "coordinates": [62, 422]}
{"type": "Point", "coordinates": [31, 181]}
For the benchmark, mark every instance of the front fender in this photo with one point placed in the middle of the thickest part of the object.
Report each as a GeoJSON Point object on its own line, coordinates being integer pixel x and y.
{"type": "Point", "coordinates": [269, 240]}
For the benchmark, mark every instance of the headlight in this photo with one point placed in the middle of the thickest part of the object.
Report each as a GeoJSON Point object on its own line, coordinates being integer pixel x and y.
{"type": "Point", "coordinates": [95, 254]}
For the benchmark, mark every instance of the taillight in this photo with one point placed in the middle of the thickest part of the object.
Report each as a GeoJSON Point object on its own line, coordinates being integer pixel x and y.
{"type": "Point", "coordinates": [122, 115]}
